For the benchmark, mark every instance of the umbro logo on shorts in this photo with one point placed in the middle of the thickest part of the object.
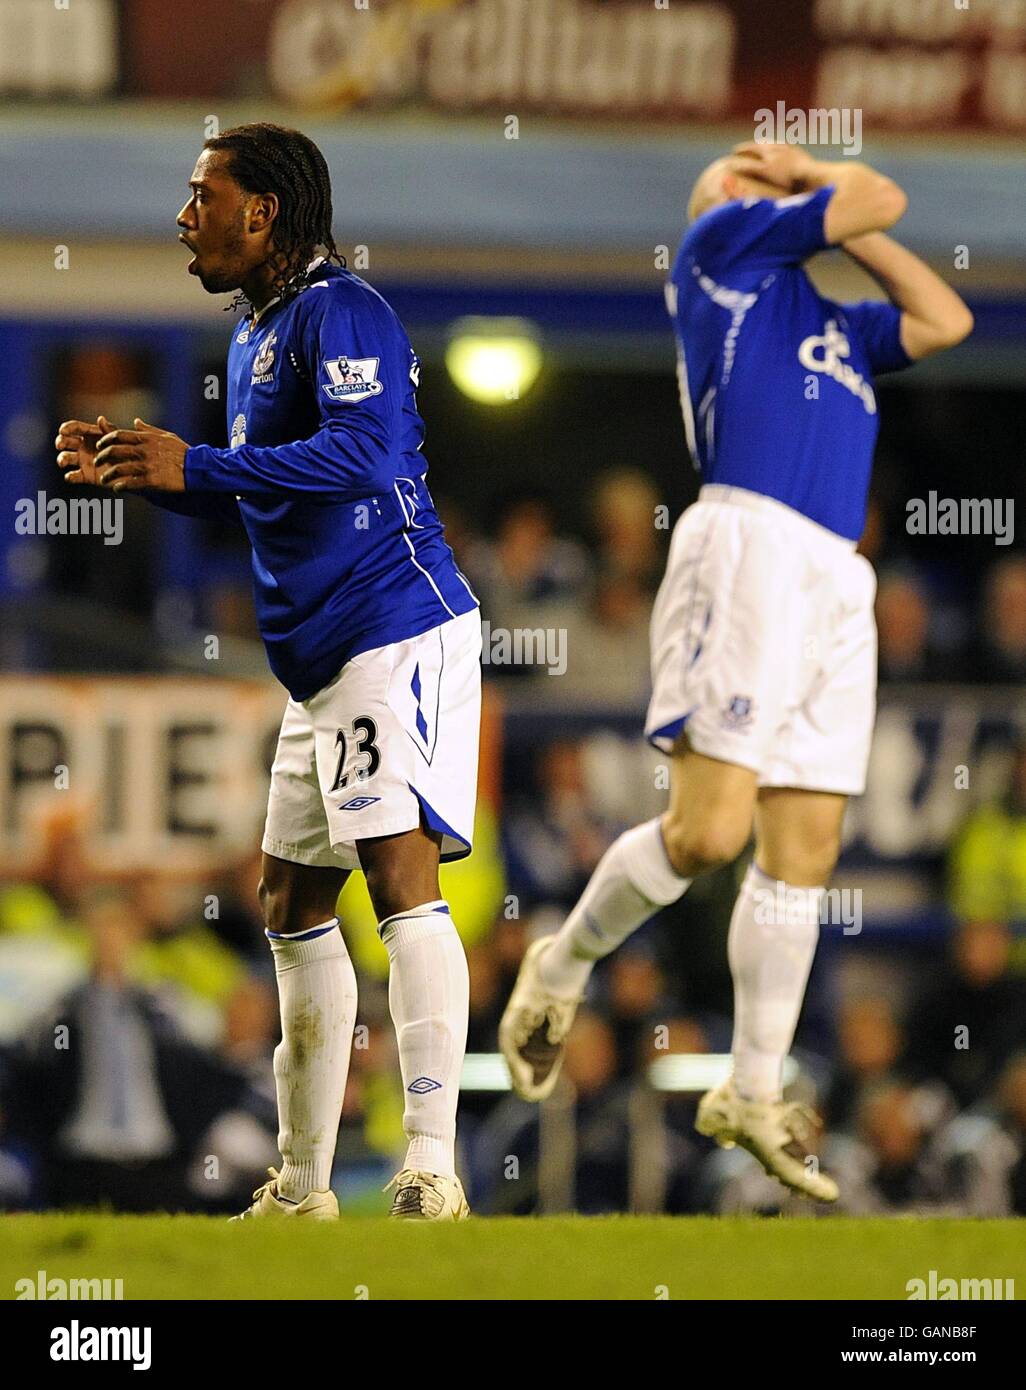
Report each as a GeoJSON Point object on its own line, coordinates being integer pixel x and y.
{"type": "Point", "coordinates": [357, 803]}
{"type": "Point", "coordinates": [423, 1084]}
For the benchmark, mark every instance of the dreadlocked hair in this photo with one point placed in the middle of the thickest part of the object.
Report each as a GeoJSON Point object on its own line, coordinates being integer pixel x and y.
{"type": "Point", "coordinates": [268, 158]}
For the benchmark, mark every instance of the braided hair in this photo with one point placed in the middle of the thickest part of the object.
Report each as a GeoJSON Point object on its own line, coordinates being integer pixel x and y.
{"type": "Point", "coordinates": [265, 158]}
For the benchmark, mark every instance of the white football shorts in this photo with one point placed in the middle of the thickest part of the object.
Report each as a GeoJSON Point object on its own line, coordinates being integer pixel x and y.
{"type": "Point", "coordinates": [393, 736]}
{"type": "Point", "coordinates": [764, 644]}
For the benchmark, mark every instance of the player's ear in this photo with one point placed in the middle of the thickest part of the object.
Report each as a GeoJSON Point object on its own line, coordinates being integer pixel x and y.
{"type": "Point", "coordinates": [263, 210]}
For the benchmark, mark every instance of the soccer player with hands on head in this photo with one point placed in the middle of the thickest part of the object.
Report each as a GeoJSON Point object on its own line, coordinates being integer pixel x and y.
{"type": "Point", "coordinates": [763, 638]}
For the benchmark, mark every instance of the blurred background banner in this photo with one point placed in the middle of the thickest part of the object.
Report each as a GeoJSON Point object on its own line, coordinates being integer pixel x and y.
{"type": "Point", "coordinates": [907, 64]}
{"type": "Point", "coordinates": [167, 773]}
{"type": "Point", "coordinates": [158, 773]}
{"type": "Point", "coordinates": [512, 176]}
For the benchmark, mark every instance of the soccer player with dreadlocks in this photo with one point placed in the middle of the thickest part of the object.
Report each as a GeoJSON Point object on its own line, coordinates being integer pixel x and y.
{"type": "Point", "coordinates": [368, 623]}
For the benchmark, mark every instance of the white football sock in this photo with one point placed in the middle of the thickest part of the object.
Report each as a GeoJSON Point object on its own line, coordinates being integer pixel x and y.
{"type": "Point", "coordinates": [317, 997]}
{"type": "Point", "coordinates": [773, 936]}
{"type": "Point", "coordinates": [632, 881]}
{"type": "Point", "coordinates": [428, 995]}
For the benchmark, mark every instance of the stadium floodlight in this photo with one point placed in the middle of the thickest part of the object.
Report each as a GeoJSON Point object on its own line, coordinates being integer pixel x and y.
{"type": "Point", "coordinates": [493, 360]}
{"type": "Point", "coordinates": [700, 1071]}
{"type": "Point", "coordinates": [484, 1071]}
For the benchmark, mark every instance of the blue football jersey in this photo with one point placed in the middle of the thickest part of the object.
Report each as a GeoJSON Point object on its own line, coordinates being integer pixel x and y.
{"type": "Point", "coordinates": [776, 381]}
{"type": "Point", "coordinates": [326, 472]}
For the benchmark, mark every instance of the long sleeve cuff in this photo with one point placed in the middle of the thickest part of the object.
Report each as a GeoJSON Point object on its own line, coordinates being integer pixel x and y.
{"type": "Point", "coordinates": [205, 470]}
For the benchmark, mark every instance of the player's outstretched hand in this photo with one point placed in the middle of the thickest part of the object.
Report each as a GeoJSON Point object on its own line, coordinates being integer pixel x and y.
{"type": "Point", "coordinates": [144, 457]}
{"type": "Point", "coordinates": [76, 444]}
{"type": "Point", "coordinates": [784, 166]}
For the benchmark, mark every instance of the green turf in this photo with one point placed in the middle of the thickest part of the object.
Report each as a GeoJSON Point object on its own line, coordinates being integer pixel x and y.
{"type": "Point", "coordinates": [627, 1257]}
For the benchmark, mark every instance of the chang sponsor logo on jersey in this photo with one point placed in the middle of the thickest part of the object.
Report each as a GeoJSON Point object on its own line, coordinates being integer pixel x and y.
{"type": "Point", "coordinates": [263, 362]}
{"type": "Point", "coordinates": [238, 431]}
{"type": "Point", "coordinates": [353, 379]}
{"type": "Point", "coordinates": [825, 353]}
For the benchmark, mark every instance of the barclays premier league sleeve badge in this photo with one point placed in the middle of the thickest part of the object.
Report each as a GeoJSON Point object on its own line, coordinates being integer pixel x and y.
{"type": "Point", "coordinates": [353, 379]}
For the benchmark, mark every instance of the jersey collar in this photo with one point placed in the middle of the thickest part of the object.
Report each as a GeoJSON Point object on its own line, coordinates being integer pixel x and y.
{"type": "Point", "coordinates": [317, 260]}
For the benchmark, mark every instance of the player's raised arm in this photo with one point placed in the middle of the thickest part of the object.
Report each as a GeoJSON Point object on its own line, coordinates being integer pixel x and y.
{"type": "Point", "coordinates": [864, 200]}
{"type": "Point", "coordinates": [933, 316]}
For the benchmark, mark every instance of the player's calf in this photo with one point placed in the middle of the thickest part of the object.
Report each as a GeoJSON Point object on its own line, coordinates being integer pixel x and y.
{"type": "Point", "coordinates": [428, 995]}
{"type": "Point", "coordinates": [798, 834]}
{"type": "Point", "coordinates": [632, 881]}
{"type": "Point", "coordinates": [317, 996]}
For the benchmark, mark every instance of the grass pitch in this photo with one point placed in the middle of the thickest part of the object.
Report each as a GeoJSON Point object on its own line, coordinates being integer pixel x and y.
{"type": "Point", "coordinates": [618, 1257]}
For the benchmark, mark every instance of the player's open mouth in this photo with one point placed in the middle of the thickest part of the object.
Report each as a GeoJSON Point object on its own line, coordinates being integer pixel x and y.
{"type": "Point", "coordinates": [191, 267]}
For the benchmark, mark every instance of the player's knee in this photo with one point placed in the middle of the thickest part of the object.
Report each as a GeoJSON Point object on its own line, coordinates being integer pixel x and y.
{"type": "Point", "coordinates": [265, 897]}
{"type": "Point", "coordinates": [285, 910]}
{"type": "Point", "coordinates": [699, 848]}
{"type": "Point", "coordinates": [389, 889]}
{"type": "Point", "coordinates": [275, 905]}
